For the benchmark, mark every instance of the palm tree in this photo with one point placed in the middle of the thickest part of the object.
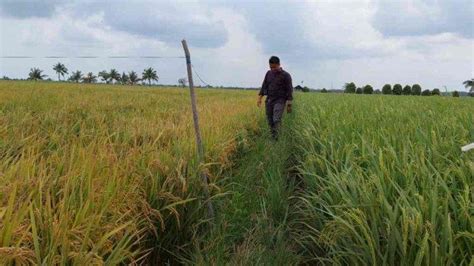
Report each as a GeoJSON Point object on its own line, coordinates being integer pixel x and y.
{"type": "Point", "coordinates": [76, 76]}
{"type": "Point", "coordinates": [149, 74]}
{"type": "Point", "coordinates": [36, 74]}
{"type": "Point", "coordinates": [104, 75]}
{"type": "Point", "coordinates": [60, 70]}
{"type": "Point", "coordinates": [124, 78]}
{"type": "Point", "coordinates": [469, 83]}
{"type": "Point", "coordinates": [133, 78]}
{"type": "Point", "coordinates": [114, 75]}
{"type": "Point", "coordinates": [89, 78]}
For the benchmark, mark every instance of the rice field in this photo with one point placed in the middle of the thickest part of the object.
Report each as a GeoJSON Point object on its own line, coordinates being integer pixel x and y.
{"type": "Point", "coordinates": [98, 174]}
{"type": "Point", "coordinates": [385, 181]}
{"type": "Point", "coordinates": [102, 174]}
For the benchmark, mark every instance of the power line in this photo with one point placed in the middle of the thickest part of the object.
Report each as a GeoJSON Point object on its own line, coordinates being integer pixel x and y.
{"type": "Point", "coordinates": [199, 77]}
{"type": "Point", "coordinates": [90, 57]}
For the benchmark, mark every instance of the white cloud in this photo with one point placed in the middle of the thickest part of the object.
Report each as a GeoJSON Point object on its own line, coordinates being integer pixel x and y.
{"type": "Point", "coordinates": [424, 17]}
{"type": "Point", "coordinates": [240, 61]}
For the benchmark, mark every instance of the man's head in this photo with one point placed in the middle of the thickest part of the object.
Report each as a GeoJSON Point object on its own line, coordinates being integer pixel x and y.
{"type": "Point", "coordinates": [274, 63]}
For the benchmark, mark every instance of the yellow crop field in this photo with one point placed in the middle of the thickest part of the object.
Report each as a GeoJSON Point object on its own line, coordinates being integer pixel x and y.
{"type": "Point", "coordinates": [88, 172]}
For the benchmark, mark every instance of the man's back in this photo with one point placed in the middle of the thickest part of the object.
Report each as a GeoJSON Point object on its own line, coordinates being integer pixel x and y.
{"type": "Point", "coordinates": [278, 84]}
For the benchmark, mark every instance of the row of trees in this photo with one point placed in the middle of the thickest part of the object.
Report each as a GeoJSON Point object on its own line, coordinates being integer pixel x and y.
{"type": "Point", "coordinates": [149, 74]}
{"type": "Point", "coordinates": [398, 89]}
{"type": "Point", "coordinates": [109, 77]}
{"type": "Point", "coordinates": [386, 89]}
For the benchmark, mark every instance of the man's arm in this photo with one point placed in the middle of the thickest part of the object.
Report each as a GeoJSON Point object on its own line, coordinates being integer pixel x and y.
{"type": "Point", "coordinates": [289, 93]}
{"type": "Point", "coordinates": [262, 91]}
{"type": "Point", "coordinates": [289, 89]}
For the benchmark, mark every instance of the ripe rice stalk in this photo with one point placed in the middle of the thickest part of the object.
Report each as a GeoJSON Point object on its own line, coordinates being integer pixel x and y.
{"type": "Point", "coordinates": [100, 174]}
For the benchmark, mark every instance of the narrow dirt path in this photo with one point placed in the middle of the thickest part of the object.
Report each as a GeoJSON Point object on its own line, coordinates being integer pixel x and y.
{"type": "Point", "coordinates": [252, 223]}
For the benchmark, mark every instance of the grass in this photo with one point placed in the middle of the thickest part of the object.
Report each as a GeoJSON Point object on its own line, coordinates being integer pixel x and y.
{"type": "Point", "coordinates": [252, 223]}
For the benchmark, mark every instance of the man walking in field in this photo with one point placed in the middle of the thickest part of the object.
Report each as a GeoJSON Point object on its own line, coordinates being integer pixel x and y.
{"type": "Point", "coordinates": [278, 88]}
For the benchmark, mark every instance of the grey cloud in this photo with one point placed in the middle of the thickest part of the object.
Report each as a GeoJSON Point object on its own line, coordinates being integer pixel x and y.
{"type": "Point", "coordinates": [281, 29]}
{"type": "Point", "coordinates": [166, 22]}
{"type": "Point", "coordinates": [27, 9]}
{"type": "Point", "coordinates": [397, 18]}
{"type": "Point", "coordinates": [169, 25]}
{"type": "Point", "coordinates": [276, 25]}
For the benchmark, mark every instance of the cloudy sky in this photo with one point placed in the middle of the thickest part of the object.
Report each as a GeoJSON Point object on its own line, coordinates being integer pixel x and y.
{"type": "Point", "coordinates": [321, 43]}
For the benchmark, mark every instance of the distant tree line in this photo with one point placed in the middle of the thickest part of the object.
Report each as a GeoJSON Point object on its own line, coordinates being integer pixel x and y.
{"type": "Point", "coordinates": [301, 88]}
{"type": "Point", "coordinates": [148, 76]}
{"type": "Point", "coordinates": [398, 89]}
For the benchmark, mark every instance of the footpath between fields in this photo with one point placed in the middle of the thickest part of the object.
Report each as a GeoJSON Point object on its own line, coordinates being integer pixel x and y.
{"type": "Point", "coordinates": [252, 226]}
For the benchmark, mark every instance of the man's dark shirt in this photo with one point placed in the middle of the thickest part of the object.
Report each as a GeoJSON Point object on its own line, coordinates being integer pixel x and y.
{"type": "Point", "coordinates": [277, 85]}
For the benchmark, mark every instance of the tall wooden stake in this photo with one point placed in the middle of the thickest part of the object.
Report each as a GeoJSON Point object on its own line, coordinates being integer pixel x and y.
{"type": "Point", "coordinates": [197, 131]}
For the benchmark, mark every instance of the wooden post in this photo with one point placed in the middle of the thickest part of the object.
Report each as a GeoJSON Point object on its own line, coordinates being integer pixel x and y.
{"type": "Point", "coordinates": [197, 131]}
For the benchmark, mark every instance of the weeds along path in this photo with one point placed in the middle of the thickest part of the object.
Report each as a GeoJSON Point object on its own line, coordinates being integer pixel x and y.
{"type": "Point", "coordinates": [251, 226]}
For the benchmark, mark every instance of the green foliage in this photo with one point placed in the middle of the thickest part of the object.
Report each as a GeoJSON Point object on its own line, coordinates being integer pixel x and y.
{"type": "Point", "coordinates": [75, 76]}
{"type": "Point", "coordinates": [387, 89]}
{"type": "Point", "coordinates": [426, 93]}
{"type": "Point", "coordinates": [133, 78]}
{"type": "Point", "coordinates": [36, 74]}
{"type": "Point", "coordinates": [89, 78]}
{"type": "Point", "coordinates": [382, 186]}
{"type": "Point", "coordinates": [455, 94]}
{"type": "Point", "coordinates": [114, 75]}
{"type": "Point", "coordinates": [60, 69]}
{"type": "Point", "coordinates": [436, 92]}
{"type": "Point", "coordinates": [124, 79]}
{"type": "Point", "coordinates": [397, 89]}
{"type": "Point", "coordinates": [254, 228]}
{"type": "Point", "coordinates": [359, 91]}
{"type": "Point", "coordinates": [298, 88]}
{"type": "Point", "coordinates": [350, 87]}
{"type": "Point", "coordinates": [305, 89]}
{"type": "Point", "coordinates": [416, 89]}
{"type": "Point", "coordinates": [149, 74]}
{"type": "Point", "coordinates": [406, 90]}
{"type": "Point", "coordinates": [368, 89]}
{"type": "Point", "coordinates": [104, 75]}
{"type": "Point", "coordinates": [470, 84]}
{"type": "Point", "coordinates": [323, 90]}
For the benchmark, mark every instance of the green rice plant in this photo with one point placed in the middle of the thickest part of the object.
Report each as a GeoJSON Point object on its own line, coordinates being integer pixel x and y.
{"type": "Point", "coordinates": [385, 181]}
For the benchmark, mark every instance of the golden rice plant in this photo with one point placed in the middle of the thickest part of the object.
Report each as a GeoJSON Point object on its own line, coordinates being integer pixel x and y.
{"type": "Point", "coordinates": [99, 174]}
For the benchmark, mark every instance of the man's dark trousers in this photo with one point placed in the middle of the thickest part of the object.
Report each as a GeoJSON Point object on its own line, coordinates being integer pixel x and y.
{"type": "Point", "coordinates": [274, 108]}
